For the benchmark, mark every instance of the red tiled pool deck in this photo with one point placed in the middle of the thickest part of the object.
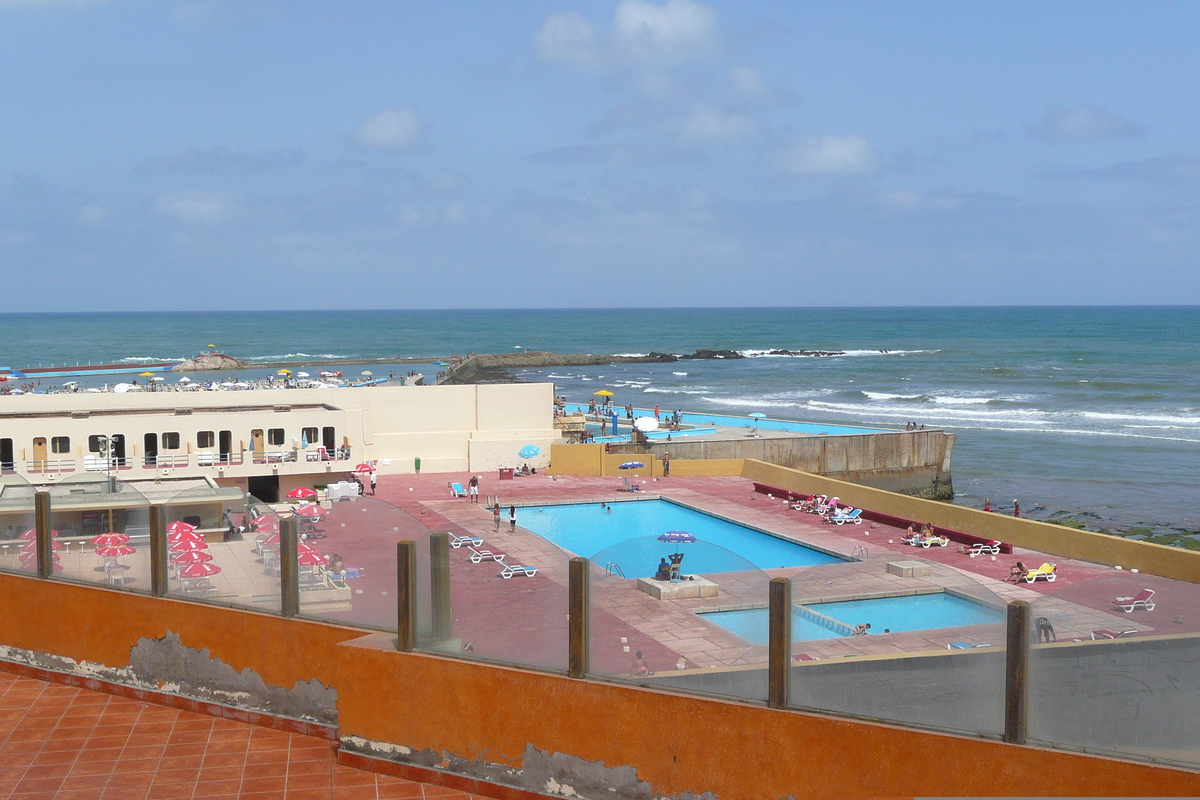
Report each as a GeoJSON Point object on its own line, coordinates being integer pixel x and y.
{"type": "Point", "coordinates": [74, 744]}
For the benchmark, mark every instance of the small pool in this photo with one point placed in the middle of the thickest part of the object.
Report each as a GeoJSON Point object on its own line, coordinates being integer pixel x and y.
{"type": "Point", "coordinates": [897, 614]}
{"type": "Point", "coordinates": [586, 529]}
{"type": "Point", "coordinates": [724, 420]}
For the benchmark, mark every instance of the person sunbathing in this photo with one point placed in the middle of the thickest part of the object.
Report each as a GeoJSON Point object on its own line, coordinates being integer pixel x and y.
{"type": "Point", "coordinates": [1018, 571]}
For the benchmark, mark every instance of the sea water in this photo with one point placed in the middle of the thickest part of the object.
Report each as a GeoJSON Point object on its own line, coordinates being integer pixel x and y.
{"type": "Point", "coordinates": [1090, 411]}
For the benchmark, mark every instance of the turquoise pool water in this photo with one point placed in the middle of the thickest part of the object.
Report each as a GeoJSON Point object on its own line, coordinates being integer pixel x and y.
{"type": "Point", "coordinates": [745, 422]}
{"type": "Point", "coordinates": [586, 529]}
{"type": "Point", "coordinates": [912, 613]}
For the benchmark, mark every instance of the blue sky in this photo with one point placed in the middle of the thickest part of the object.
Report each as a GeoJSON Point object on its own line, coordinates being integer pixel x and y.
{"type": "Point", "coordinates": [159, 154]}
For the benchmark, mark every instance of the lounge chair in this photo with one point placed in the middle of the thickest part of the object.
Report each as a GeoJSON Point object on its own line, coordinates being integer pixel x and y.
{"type": "Point", "coordinates": [507, 570]}
{"type": "Point", "coordinates": [934, 541]}
{"type": "Point", "coordinates": [1046, 571]}
{"type": "Point", "coordinates": [1112, 634]}
{"type": "Point", "coordinates": [457, 490]}
{"type": "Point", "coordinates": [854, 517]}
{"type": "Point", "coordinates": [979, 549]}
{"type": "Point", "coordinates": [478, 556]}
{"type": "Point", "coordinates": [1143, 599]}
{"type": "Point", "coordinates": [965, 645]}
{"type": "Point", "coordinates": [458, 541]}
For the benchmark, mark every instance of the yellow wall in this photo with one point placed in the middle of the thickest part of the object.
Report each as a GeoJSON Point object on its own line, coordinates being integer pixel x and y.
{"type": "Point", "coordinates": [1101, 548]}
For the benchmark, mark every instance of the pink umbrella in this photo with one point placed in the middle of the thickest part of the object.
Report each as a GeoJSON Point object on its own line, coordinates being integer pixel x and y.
{"type": "Point", "coordinates": [180, 527]}
{"type": "Point", "coordinates": [32, 534]}
{"type": "Point", "coordinates": [364, 467]}
{"type": "Point", "coordinates": [187, 546]}
{"type": "Point", "coordinates": [265, 524]}
{"type": "Point", "coordinates": [312, 511]}
{"type": "Point", "coordinates": [31, 547]}
{"type": "Point", "coordinates": [113, 550]}
{"type": "Point", "coordinates": [272, 539]}
{"type": "Point", "coordinates": [201, 569]}
{"type": "Point", "coordinates": [31, 557]}
{"type": "Point", "coordinates": [110, 538]}
{"type": "Point", "coordinates": [185, 536]}
{"type": "Point", "coordinates": [192, 557]}
{"type": "Point", "coordinates": [311, 559]}
{"type": "Point", "coordinates": [301, 494]}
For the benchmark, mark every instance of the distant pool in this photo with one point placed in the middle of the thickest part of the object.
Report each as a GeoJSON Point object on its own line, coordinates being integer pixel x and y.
{"type": "Point", "coordinates": [689, 418]}
{"type": "Point", "coordinates": [897, 614]}
{"type": "Point", "coordinates": [586, 529]}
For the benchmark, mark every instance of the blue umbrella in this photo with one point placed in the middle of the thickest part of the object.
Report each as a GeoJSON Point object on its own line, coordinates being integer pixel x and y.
{"type": "Point", "coordinates": [529, 451]}
{"type": "Point", "coordinates": [756, 416]}
{"type": "Point", "coordinates": [631, 465]}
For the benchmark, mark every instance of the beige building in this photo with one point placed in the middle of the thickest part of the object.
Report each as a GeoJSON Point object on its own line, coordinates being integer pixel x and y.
{"type": "Point", "coordinates": [269, 441]}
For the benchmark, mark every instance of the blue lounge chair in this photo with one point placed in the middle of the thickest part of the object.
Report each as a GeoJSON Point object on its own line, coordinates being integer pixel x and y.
{"type": "Point", "coordinates": [457, 490]}
{"type": "Point", "coordinates": [458, 541]}
{"type": "Point", "coordinates": [854, 517]}
{"type": "Point", "coordinates": [508, 570]}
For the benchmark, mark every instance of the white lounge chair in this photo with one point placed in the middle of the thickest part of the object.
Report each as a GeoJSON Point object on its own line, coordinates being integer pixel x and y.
{"type": "Point", "coordinates": [854, 517]}
{"type": "Point", "coordinates": [478, 556]}
{"type": "Point", "coordinates": [507, 571]}
{"type": "Point", "coordinates": [979, 549]}
{"type": "Point", "coordinates": [1142, 599]}
{"type": "Point", "coordinates": [458, 541]}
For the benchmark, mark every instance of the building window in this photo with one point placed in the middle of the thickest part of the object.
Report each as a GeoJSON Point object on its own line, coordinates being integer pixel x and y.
{"type": "Point", "coordinates": [170, 441]}
{"type": "Point", "coordinates": [275, 436]}
{"type": "Point", "coordinates": [311, 435]}
{"type": "Point", "coordinates": [60, 444]}
{"type": "Point", "coordinates": [96, 444]}
{"type": "Point", "coordinates": [205, 439]}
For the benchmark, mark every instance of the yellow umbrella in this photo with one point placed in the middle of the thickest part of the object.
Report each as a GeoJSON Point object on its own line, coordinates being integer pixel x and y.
{"type": "Point", "coordinates": [284, 372]}
{"type": "Point", "coordinates": [211, 345]}
{"type": "Point", "coordinates": [145, 374]}
{"type": "Point", "coordinates": [604, 392]}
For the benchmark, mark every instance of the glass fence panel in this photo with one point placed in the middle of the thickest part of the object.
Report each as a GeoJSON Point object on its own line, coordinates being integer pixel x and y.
{"type": "Point", "coordinates": [101, 532]}
{"type": "Point", "coordinates": [1114, 669]}
{"type": "Point", "coordinates": [923, 646]}
{"type": "Point", "coordinates": [674, 612]}
{"type": "Point", "coordinates": [347, 559]}
{"type": "Point", "coordinates": [507, 597]}
{"type": "Point", "coordinates": [223, 546]}
{"type": "Point", "coordinates": [17, 520]}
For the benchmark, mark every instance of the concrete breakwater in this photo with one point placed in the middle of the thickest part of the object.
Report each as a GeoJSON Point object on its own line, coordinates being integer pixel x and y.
{"type": "Point", "coordinates": [483, 368]}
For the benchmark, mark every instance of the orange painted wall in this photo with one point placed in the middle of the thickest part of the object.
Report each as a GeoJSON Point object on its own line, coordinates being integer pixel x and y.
{"type": "Point", "coordinates": [681, 743]}
{"type": "Point", "coordinates": [102, 625]}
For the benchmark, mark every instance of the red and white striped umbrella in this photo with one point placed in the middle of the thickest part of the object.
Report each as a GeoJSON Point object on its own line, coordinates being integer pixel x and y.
{"type": "Point", "coordinates": [186, 546]}
{"type": "Point", "coordinates": [315, 512]}
{"type": "Point", "coordinates": [185, 536]}
{"type": "Point", "coordinates": [265, 523]}
{"type": "Point", "coordinates": [301, 494]}
{"type": "Point", "coordinates": [31, 547]}
{"type": "Point", "coordinates": [311, 559]}
{"type": "Point", "coordinates": [115, 550]}
{"type": "Point", "coordinates": [364, 467]}
{"type": "Point", "coordinates": [303, 549]}
{"type": "Point", "coordinates": [192, 557]}
{"type": "Point", "coordinates": [32, 534]}
{"type": "Point", "coordinates": [31, 557]}
{"type": "Point", "coordinates": [110, 538]}
{"type": "Point", "coordinates": [201, 569]}
{"type": "Point", "coordinates": [31, 566]}
{"type": "Point", "coordinates": [178, 527]}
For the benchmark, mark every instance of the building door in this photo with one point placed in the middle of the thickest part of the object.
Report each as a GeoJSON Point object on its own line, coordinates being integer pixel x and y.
{"type": "Point", "coordinates": [329, 440]}
{"type": "Point", "coordinates": [150, 443]}
{"type": "Point", "coordinates": [7, 464]}
{"type": "Point", "coordinates": [117, 450]}
{"type": "Point", "coordinates": [225, 445]}
{"type": "Point", "coordinates": [256, 446]}
{"type": "Point", "coordinates": [39, 453]}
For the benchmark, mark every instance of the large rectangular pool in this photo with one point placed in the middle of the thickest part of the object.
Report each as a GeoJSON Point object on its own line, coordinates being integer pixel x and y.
{"type": "Point", "coordinates": [895, 614]}
{"type": "Point", "coordinates": [626, 534]}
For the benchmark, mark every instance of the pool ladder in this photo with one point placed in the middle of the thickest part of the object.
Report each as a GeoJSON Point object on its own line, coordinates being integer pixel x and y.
{"type": "Point", "coordinates": [613, 568]}
{"type": "Point", "coordinates": [860, 553]}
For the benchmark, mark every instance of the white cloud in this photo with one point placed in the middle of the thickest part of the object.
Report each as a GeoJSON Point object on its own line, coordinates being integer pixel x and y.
{"type": "Point", "coordinates": [1083, 124]}
{"type": "Point", "coordinates": [92, 215]}
{"type": "Point", "coordinates": [828, 155]}
{"type": "Point", "coordinates": [397, 129]}
{"type": "Point", "coordinates": [643, 34]}
{"type": "Point", "coordinates": [198, 208]}
{"type": "Point", "coordinates": [707, 124]}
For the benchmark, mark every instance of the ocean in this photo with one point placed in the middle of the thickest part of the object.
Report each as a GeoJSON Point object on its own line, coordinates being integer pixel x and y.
{"type": "Point", "coordinates": [1086, 413]}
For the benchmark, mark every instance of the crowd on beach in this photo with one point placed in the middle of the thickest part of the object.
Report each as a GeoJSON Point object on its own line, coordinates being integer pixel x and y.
{"type": "Point", "coordinates": [185, 384]}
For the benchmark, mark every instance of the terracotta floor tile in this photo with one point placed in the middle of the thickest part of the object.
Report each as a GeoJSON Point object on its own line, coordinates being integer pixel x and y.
{"type": "Point", "coordinates": [399, 791]}
{"type": "Point", "coordinates": [176, 750]}
{"type": "Point", "coordinates": [275, 784]}
{"type": "Point", "coordinates": [46, 786]}
{"type": "Point", "coordinates": [48, 770]}
{"type": "Point", "coordinates": [94, 782]}
{"type": "Point", "coordinates": [169, 791]}
{"type": "Point", "coordinates": [176, 776]}
{"type": "Point", "coordinates": [366, 792]}
{"type": "Point", "coordinates": [307, 794]}
{"type": "Point", "coordinates": [125, 793]}
{"type": "Point", "coordinates": [215, 760]}
{"type": "Point", "coordinates": [133, 766]}
{"type": "Point", "coordinates": [221, 773]}
{"type": "Point", "coordinates": [273, 770]}
{"type": "Point", "coordinates": [226, 746]}
{"type": "Point", "coordinates": [56, 756]}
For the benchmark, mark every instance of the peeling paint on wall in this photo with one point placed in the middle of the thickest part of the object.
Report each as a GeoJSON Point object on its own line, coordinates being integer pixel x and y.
{"type": "Point", "coordinates": [167, 665]}
{"type": "Point", "coordinates": [554, 774]}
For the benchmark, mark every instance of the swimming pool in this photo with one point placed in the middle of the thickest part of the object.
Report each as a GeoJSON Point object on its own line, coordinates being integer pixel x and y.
{"type": "Point", "coordinates": [690, 418]}
{"type": "Point", "coordinates": [909, 613]}
{"type": "Point", "coordinates": [587, 529]}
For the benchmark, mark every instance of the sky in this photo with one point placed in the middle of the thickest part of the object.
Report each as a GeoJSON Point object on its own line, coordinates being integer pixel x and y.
{"type": "Point", "coordinates": [262, 154]}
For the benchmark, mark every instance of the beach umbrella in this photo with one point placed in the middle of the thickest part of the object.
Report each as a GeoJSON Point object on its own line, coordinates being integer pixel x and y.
{"type": "Point", "coordinates": [677, 538]}
{"type": "Point", "coordinates": [604, 393]}
{"type": "Point", "coordinates": [303, 549]}
{"type": "Point", "coordinates": [32, 534]}
{"type": "Point", "coordinates": [145, 374]}
{"type": "Point", "coordinates": [645, 424]}
{"type": "Point", "coordinates": [303, 493]}
{"type": "Point", "coordinates": [201, 569]}
{"type": "Point", "coordinates": [631, 465]}
{"type": "Point", "coordinates": [158, 378]}
{"type": "Point", "coordinates": [187, 545]}
{"type": "Point", "coordinates": [31, 547]}
{"type": "Point", "coordinates": [756, 416]}
{"type": "Point", "coordinates": [272, 539]}
{"type": "Point", "coordinates": [193, 557]}
{"type": "Point", "coordinates": [311, 559]}
{"type": "Point", "coordinates": [529, 451]}
{"type": "Point", "coordinates": [71, 383]}
{"type": "Point", "coordinates": [283, 372]}
{"type": "Point", "coordinates": [367, 372]}
{"type": "Point", "coordinates": [211, 345]}
{"type": "Point", "coordinates": [115, 550]}
{"type": "Point", "coordinates": [315, 512]}
{"type": "Point", "coordinates": [303, 375]}
{"type": "Point", "coordinates": [181, 527]}
{"type": "Point", "coordinates": [185, 536]}
{"type": "Point", "coordinates": [185, 379]}
{"type": "Point", "coordinates": [265, 524]}
{"type": "Point", "coordinates": [364, 467]}
{"type": "Point", "coordinates": [110, 538]}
